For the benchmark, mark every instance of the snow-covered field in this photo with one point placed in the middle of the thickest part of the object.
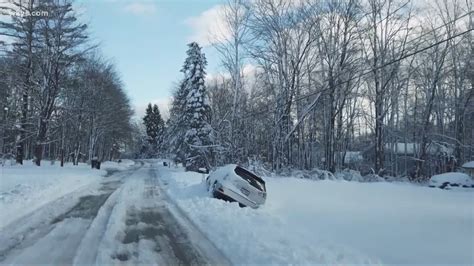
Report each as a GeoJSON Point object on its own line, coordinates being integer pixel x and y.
{"type": "Point", "coordinates": [26, 188]}
{"type": "Point", "coordinates": [333, 222]}
{"type": "Point", "coordinates": [303, 221]}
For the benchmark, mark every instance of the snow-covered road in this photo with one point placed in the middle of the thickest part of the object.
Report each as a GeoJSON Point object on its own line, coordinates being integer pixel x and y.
{"type": "Point", "coordinates": [150, 214]}
{"type": "Point", "coordinates": [124, 219]}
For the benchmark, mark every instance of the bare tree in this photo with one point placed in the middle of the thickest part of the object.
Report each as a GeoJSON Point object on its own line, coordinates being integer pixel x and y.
{"type": "Point", "coordinates": [280, 43]}
{"type": "Point", "coordinates": [62, 38]}
{"type": "Point", "coordinates": [21, 29]}
{"type": "Point", "coordinates": [385, 40]}
{"type": "Point", "coordinates": [230, 47]}
{"type": "Point", "coordinates": [338, 47]}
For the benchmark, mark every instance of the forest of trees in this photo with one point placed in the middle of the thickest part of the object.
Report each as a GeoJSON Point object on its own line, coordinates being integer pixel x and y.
{"type": "Point", "coordinates": [59, 99]}
{"type": "Point", "coordinates": [385, 87]}
{"type": "Point", "coordinates": [380, 86]}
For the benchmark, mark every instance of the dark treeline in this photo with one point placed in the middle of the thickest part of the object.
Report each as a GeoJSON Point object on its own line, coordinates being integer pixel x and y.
{"type": "Point", "coordinates": [59, 98]}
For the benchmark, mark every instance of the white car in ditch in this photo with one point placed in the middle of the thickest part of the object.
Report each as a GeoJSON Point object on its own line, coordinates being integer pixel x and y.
{"type": "Point", "coordinates": [235, 183]}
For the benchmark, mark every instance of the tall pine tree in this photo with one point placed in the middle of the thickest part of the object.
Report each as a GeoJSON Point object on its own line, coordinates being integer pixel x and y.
{"type": "Point", "coordinates": [190, 114]}
{"type": "Point", "coordinates": [159, 125]}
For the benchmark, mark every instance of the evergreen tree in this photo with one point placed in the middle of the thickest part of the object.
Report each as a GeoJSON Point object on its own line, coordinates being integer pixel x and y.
{"type": "Point", "coordinates": [159, 125]}
{"type": "Point", "coordinates": [176, 127]}
{"type": "Point", "coordinates": [196, 110]}
{"type": "Point", "coordinates": [190, 133]}
{"type": "Point", "coordinates": [154, 126]}
{"type": "Point", "coordinates": [148, 122]}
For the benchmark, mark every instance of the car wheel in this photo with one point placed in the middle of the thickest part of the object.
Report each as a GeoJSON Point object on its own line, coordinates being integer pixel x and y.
{"type": "Point", "coordinates": [242, 205]}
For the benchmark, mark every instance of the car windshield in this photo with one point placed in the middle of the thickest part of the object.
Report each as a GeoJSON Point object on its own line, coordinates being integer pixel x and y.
{"type": "Point", "coordinates": [254, 180]}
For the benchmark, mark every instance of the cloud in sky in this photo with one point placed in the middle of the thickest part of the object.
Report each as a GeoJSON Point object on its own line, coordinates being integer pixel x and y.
{"type": "Point", "coordinates": [249, 72]}
{"type": "Point", "coordinates": [140, 8]}
{"type": "Point", "coordinates": [208, 27]}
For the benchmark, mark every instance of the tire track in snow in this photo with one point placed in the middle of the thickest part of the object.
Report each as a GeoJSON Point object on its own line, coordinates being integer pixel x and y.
{"type": "Point", "coordinates": [127, 220]}
{"type": "Point", "coordinates": [152, 225]}
{"type": "Point", "coordinates": [55, 240]}
{"type": "Point", "coordinates": [202, 244]}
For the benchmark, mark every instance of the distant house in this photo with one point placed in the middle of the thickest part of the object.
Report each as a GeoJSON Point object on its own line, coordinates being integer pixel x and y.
{"type": "Point", "coordinates": [410, 149]}
{"type": "Point", "coordinates": [401, 158]}
{"type": "Point", "coordinates": [469, 168]}
{"type": "Point", "coordinates": [401, 148]}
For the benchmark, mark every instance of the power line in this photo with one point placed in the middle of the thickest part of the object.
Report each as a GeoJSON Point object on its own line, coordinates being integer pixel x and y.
{"type": "Point", "coordinates": [358, 32]}
{"type": "Point", "coordinates": [394, 61]}
{"type": "Point", "coordinates": [439, 27]}
{"type": "Point", "coordinates": [267, 109]}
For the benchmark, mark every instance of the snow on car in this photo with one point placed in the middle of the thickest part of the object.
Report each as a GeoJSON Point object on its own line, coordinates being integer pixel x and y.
{"type": "Point", "coordinates": [234, 183]}
{"type": "Point", "coordinates": [453, 179]}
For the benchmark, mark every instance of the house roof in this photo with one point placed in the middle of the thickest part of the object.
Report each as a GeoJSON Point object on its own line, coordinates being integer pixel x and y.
{"type": "Point", "coordinates": [468, 165]}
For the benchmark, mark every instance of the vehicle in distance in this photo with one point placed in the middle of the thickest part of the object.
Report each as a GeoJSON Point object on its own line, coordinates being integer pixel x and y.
{"type": "Point", "coordinates": [235, 183]}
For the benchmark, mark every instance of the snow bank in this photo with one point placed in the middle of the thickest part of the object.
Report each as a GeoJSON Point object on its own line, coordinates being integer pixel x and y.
{"type": "Point", "coordinates": [25, 188]}
{"type": "Point", "coordinates": [346, 174]}
{"type": "Point", "coordinates": [115, 165]}
{"type": "Point", "coordinates": [333, 222]}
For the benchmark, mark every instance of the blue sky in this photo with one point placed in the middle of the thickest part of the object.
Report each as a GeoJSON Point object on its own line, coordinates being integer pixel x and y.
{"type": "Point", "coordinates": [147, 41]}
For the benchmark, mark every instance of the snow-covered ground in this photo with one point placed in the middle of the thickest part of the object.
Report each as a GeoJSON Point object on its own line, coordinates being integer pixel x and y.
{"type": "Point", "coordinates": [76, 216]}
{"type": "Point", "coordinates": [333, 222]}
{"type": "Point", "coordinates": [123, 165]}
{"type": "Point", "coordinates": [124, 219]}
{"type": "Point", "coordinates": [25, 188]}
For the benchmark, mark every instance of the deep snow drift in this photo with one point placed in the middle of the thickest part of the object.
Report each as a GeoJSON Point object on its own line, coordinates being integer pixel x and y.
{"type": "Point", "coordinates": [311, 222]}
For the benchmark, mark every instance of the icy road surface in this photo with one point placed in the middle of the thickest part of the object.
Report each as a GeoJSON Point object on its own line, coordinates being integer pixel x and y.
{"type": "Point", "coordinates": [125, 219]}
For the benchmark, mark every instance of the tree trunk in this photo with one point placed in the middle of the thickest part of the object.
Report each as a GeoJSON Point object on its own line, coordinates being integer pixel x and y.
{"type": "Point", "coordinates": [379, 143]}
{"type": "Point", "coordinates": [38, 151]}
